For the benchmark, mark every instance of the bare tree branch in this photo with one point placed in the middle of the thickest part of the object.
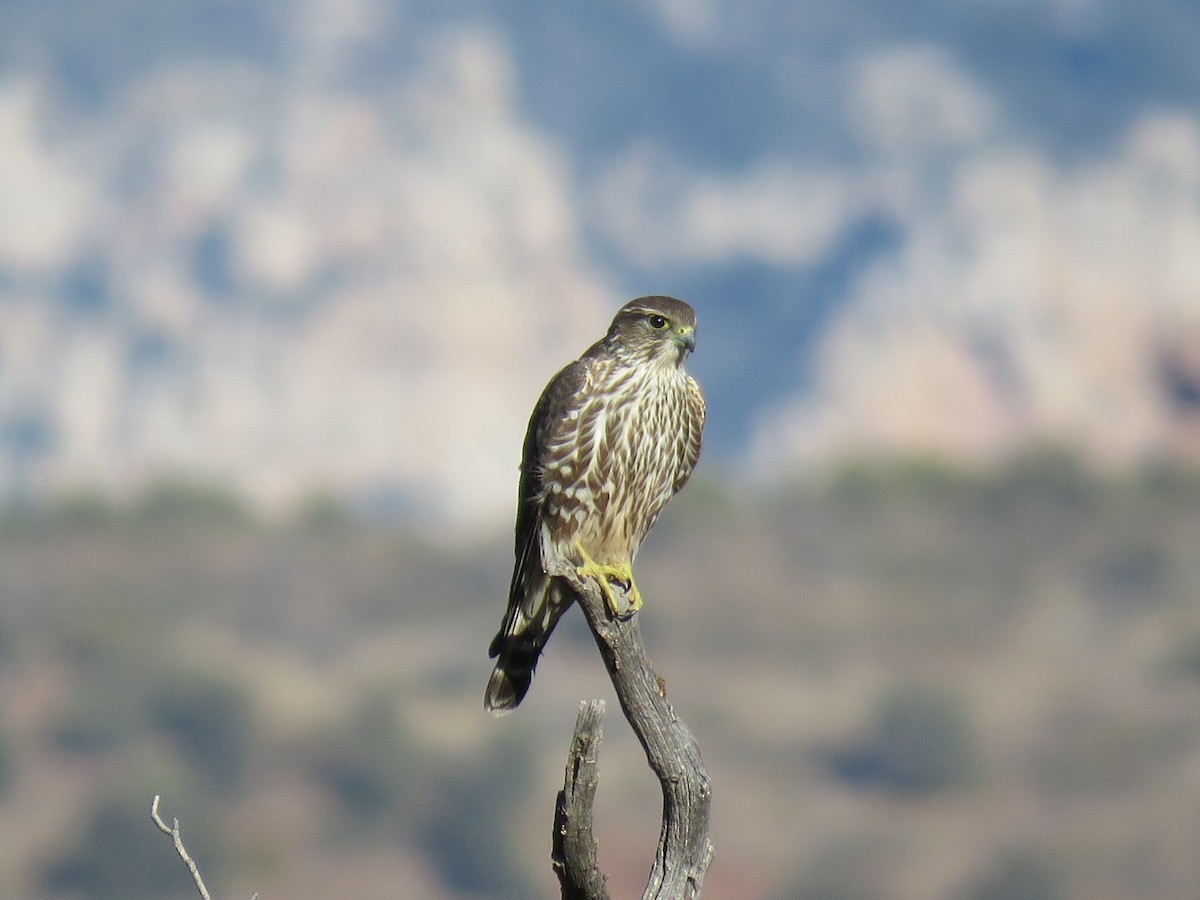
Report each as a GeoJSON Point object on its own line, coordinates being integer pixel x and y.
{"type": "Point", "coordinates": [173, 831]}
{"type": "Point", "coordinates": [574, 846]}
{"type": "Point", "coordinates": [684, 849]}
{"type": "Point", "coordinates": [180, 850]}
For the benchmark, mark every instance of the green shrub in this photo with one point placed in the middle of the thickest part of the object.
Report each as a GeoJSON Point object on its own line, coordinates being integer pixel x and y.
{"type": "Point", "coordinates": [8, 762]}
{"type": "Point", "coordinates": [1015, 875]}
{"type": "Point", "coordinates": [921, 741]}
{"type": "Point", "coordinates": [374, 771]}
{"type": "Point", "coordinates": [85, 509]}
{"type": "Point", "coordinates": [473, 837]}
{"type": "Point", "coordinates": [827, 882]}
{"type": "Point", "coordinates": [187, 502]}
{"type": "Point", "coordinates": [210, 723]}
{"type": "Point", "coordinates": [847, 869]}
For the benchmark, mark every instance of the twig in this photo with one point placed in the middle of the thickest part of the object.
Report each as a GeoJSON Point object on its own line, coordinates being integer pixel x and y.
{"type": "Point", "coordinates": [173, 831]}
{"type": "Point", "coordinates": [684, 849]}
{"type": "Point", "coordinates": [574, 846]}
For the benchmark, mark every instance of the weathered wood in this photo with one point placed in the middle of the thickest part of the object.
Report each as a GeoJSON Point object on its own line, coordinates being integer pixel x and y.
{"type": "Point", "coordinates": [574, 852]}
{"type": "Point", "coordinates": [684, 849]}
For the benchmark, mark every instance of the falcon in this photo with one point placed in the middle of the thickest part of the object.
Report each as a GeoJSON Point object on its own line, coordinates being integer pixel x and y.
{"type": "Point", "coordinates": [614, 435]}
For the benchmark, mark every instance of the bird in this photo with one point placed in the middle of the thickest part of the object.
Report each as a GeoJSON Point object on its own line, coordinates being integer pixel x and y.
{"type": "Point", "coordinates": [614, 435]}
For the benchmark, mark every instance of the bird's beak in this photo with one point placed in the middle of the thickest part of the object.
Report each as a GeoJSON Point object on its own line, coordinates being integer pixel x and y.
{"type": "Point", "coordinates": [685, 336]}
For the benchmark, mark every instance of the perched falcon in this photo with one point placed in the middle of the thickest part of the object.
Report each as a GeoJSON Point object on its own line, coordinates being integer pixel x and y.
{"type": "Point", "coordinates": [615, 434]}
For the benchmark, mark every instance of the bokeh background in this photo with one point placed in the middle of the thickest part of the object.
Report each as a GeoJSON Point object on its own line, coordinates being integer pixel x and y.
{"type": "Point", "coordinates": [280, 282]}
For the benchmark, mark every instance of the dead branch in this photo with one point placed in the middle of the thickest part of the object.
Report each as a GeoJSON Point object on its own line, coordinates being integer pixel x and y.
{"type": "Point", "coordinates": [574, 847]}
{"type": "Point", "coordinates": [173, 831]}
{"type": "Point", "coordinates": [684, 849]}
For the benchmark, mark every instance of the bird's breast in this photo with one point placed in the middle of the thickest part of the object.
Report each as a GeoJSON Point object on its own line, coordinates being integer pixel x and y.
{"type": "Point", "coordinates": [620, 459]}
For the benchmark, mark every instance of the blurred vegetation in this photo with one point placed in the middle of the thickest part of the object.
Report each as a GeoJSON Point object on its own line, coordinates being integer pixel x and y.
{"type": "Point", "coordinates": [952, 660]}
{"type": "Point", "coordinates": [847, 870]}
{"type": "Point", "coordinates": [110, 856]}
{"type": "Point", "coordinates": [164, 503]}
{"type": "Point", "coordinates": [8, 762]}
{"type": "Point", "coordinates": [473, 824]}
{"type": "Point", "coordinates": [173, 502]}
{"type": "Point", "coordinates": [920, 741]}
{"type": "Point", "coordinates": [373, 768]}
{"type": "Point", "coordinates": [1016, 875]}
{"type": "Point", "coordinates": [209, 722]}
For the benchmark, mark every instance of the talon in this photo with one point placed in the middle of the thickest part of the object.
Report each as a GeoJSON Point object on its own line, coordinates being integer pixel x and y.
{"type": "Point", "coordinates": [635, 596]}
{"type": "Point", "coordinates": [604, 575]}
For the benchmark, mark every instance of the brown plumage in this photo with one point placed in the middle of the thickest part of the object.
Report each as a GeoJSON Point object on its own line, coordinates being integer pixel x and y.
{"type": "Point", "coordinates": [613, 437]}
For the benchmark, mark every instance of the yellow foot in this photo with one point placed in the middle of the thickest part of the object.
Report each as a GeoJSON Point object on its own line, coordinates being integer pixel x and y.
{"type": "Point", "coordinates": [621, 572]}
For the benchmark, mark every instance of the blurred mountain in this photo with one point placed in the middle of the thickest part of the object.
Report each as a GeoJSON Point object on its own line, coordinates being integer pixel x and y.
{"type": "Point", "coordinates": [339, 245]}
{"type": "Point", "coordinates": [250, 270]}
{"type": "Point", "coordinates": [1031, 304]}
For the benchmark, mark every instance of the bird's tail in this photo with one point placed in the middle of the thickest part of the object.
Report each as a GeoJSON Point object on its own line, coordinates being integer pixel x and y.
{"type": "Point", "coordinates": [517, 646]}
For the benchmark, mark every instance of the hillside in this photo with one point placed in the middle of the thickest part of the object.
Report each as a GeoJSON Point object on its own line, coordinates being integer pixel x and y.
{"type": "Point", "coordinates": [908, 684]}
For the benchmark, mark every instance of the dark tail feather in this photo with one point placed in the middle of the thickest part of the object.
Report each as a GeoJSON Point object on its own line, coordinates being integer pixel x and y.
{"type": "Point", "coordinates": [509, 682]}
{"type": "Point", "coordinates": [518, 646]}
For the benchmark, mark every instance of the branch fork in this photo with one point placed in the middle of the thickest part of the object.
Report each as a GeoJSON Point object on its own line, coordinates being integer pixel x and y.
{"type": "Point", "coordinates": [684, 850]}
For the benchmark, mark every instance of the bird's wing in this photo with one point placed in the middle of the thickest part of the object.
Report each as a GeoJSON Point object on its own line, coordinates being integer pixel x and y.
{"type": "Point", "coordinates": [545, 425]}
{"type": "Point", "coordinates": [693, 422]}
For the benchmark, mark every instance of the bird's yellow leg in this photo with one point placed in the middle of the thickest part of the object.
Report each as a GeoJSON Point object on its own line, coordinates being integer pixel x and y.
{"type": "Point", "coordinates": [622, 572]}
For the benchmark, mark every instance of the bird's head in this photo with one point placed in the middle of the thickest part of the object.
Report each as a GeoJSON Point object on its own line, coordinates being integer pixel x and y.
{"type": "Point", "coordinates": [654, 329]}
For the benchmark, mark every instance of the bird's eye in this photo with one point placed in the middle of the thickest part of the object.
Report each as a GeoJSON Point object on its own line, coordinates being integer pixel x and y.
{"type": "Point", "coordinates": [658, 323]}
